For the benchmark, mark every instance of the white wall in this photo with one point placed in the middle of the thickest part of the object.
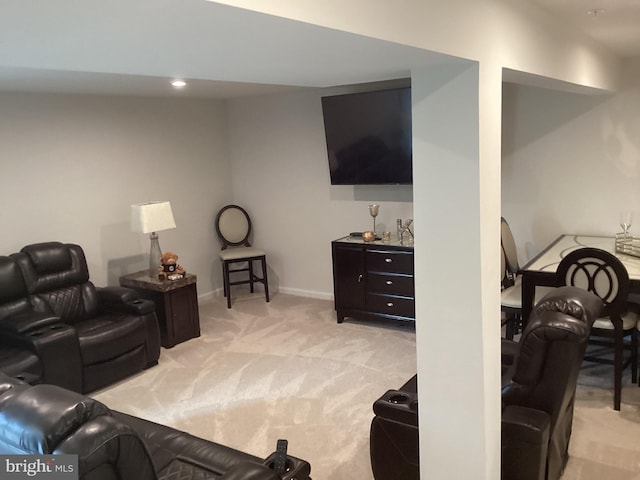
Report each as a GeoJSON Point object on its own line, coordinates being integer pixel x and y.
{"type": "Point", "coordinates": [570, 162]}
{"type": "Point", "coordinates": [281, 176]}
{"type": "Point", "coordinates": [71, 166]}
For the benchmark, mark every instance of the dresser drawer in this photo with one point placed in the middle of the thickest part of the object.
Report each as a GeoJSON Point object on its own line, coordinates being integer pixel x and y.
{"type": "Point", "coordinates": [389, 261]}
{"type": "Point", "coordinates": [391, 305]}
{"type": "Point", "coordinates": [390, 283]}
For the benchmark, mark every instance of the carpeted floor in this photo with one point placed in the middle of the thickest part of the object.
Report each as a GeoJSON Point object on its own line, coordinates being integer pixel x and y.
{"type": "Point", "coordinates": [605, 444]}
{"type": "Point", "coordinates": [285, 369]}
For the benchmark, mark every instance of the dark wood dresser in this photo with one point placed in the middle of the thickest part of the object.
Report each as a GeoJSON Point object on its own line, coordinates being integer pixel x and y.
{"type": "Point", "coordinates": [373, 281]}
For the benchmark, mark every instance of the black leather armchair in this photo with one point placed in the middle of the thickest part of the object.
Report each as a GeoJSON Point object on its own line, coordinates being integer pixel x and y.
{"type": "Point", "coordinates": [47, 419]}
{"type": "Point", "coordinates": [539, 381]}
{"type": "Point", "coordinates": [83, 337]}
{"type": "Point", "coordinates": [24, 333]}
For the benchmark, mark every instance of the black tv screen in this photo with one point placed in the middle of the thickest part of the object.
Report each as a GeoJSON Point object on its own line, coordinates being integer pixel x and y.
{"type": "Point", "coordinates": [369, 137]}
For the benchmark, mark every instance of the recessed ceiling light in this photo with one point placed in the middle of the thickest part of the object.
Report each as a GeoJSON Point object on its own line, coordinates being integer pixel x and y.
{"type": "Point", "coordinates": [179, 84]}
{"type": "Point", "coordinates": [594, 12]}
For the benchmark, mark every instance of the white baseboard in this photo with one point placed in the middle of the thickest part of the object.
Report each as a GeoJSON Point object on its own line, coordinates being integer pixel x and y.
{"type": "Point", "coordinates": [203, 297]}
{"type": "Point", "coordinates": [287, 291]}
{"type": "Point", "coordinates": [306, 293]}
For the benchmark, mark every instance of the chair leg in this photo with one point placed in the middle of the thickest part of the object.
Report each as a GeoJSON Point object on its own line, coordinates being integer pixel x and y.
{"type": "Point", "coordinates": [617, 373]}
{"type": "Point", "coordinates": [634, 356]}
{"type": "Point", "coordinates": [224, 280]}
{"type": "Point", "coordinates": [251, 275]}
{"type": "Point", "coordinates": [510, 327]}
{"type": "Point", "coordinates": [227, 283]}
{"type": "Point", "coordinates": [264, 278]}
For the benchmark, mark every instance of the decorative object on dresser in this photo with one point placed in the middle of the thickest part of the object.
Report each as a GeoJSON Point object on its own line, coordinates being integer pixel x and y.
{"type": "Point", "coordinates": [176, 304]}
{"type": "Point", "coordinates": [369, 236]}
{"type": "Point", "coordinates": [373, 211]}
{"type": "Point", "coordinates": [373, 280]}
{"type": "Point", "coordinates": [404, 229]}
{"type": "Point", "coordinates": [152, 217]}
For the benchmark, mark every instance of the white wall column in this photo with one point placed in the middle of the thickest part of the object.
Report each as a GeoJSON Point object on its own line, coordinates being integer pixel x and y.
{"type": "Point", "coordinates": [456, 209]}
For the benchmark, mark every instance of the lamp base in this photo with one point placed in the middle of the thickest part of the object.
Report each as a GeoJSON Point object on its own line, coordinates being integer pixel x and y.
{"type": "Point", "coordinates": [155, 255]}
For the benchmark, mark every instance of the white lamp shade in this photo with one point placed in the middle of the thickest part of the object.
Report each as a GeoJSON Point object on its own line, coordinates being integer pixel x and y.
{"type": "Point", "coordinates": [151, 217]}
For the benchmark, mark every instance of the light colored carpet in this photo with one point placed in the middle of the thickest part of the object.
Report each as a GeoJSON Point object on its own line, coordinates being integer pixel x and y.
{"type": "Point", "coordinates": [285, 369]}
{"type": "Point", "coordinates": [605, 444]}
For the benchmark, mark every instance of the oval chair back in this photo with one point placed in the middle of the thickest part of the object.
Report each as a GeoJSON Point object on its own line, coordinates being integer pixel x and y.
{"type": "Point", "coordinates": [509, 247]}
{"type": "Point", "coordinates": [599, 272]}
{"type": "Point", "coordinates": [233, 226]}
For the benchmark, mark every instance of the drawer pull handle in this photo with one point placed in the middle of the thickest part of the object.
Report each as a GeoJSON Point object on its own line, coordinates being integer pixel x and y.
{"type": "Point", "coordinates": [389, 304]}
{"type": "Point", "coordinates": [389, 282]}
{"type": "Point", "coordinates": [360, 278]}
{"type": "Point", "coordinates": [388, 260]}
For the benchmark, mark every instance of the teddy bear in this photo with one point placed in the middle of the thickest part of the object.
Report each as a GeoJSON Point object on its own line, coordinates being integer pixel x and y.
{"type": "Point", "coordinates": [169, 268]}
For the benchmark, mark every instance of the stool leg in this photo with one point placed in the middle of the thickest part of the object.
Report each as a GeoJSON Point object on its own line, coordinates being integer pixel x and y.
{"type": "Point", "coordinates": [634, 356]}
{"type": "Point", "coordinates": [251, 276]}
{"type": "Point", "coordinates": [617, 360]}
{"type": "Point", "coordinates": [227, 284]}
{"type": "Point", "coordinates": [224, 280]}
{"type": "Point", "coordinates": [265, 281]}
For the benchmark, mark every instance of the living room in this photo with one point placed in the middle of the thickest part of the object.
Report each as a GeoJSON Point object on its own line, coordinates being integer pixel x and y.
{"type": "Point", "coordinates": [89, 157]}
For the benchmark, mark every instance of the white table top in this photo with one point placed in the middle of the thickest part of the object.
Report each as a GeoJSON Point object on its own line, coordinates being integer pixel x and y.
{"type": "Point", "coordinates": [549, 259]}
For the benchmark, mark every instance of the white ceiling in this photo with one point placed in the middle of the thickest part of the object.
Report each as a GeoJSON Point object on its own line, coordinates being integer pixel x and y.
{"type": "Point", "coordinates": [134, 47]}
{"type": "Point", "coordinates": [613, 23]}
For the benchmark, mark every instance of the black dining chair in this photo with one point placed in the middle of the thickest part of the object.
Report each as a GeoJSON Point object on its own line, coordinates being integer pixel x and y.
{"type": "Point", "coordinates": [600, 272]}
{"type": "Point", "coordinates": [511, 288]}
{"type": "Point", "coordinates": [511, 283]}
{"type": "Point", "coordinates": [233, 227]}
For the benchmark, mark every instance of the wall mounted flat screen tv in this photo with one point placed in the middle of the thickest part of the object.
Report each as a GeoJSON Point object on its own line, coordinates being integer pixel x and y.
{"type": "Point", "coordinates": [369, 137]}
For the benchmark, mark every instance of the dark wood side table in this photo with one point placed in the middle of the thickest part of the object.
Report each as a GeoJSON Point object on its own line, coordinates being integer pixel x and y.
{"type": "Point", "coordinates": [176, 304]}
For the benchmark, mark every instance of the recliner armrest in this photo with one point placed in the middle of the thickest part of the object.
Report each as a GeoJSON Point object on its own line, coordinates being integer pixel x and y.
{"type": "Point", "coordinates": [25, 321]}
{"type": "Point", "coordinates": [398, 405]}
{"type": "Point", "coordinates": [295, 468]}
{"type": "Point", "coordinates": [36, 419]}
{"type": "Point", "coordinates": [250, 471]}
{"type": "Point", "coordinates": [57, 347]}
{"type": "Point", "coordinates": [525, 441]}
{"type": "Point", "coordinates": [124, 300]}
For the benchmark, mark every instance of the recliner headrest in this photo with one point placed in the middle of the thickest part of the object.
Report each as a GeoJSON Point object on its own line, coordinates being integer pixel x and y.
{"type": "Point", "coordinates": [49, 257]}
{"type": "Point", "coordinates": [572, 301]}
{"type": "Point", "coordinates": [564, 315]}
{"type": "Point", "coordinates": [52, 265]}
{"type": "Point", "coordinates": [12, 284]}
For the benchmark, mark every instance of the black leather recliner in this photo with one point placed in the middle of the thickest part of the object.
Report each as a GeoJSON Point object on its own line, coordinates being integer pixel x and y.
{"type": "Point", "coordinates": [25, 335]}
{"type": "Point", "coordinates": [47, 419]}
{"type": "Point", "coordinates": [84, 337]}
{"type": "Point", "coordinates": [539, 381]}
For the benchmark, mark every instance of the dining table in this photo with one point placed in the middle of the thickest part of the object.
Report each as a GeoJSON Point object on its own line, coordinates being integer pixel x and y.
{"type": "Point", "coordinates": [541, 270]}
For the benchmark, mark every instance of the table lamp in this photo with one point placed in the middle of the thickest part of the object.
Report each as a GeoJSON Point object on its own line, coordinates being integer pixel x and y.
{"type": "Point", "coordinates": [152, 217]}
